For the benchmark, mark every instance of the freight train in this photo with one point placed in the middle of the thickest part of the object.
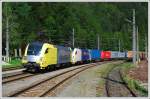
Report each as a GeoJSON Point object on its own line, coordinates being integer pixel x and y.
{"type": "Point", "coordinates": [43, 56]}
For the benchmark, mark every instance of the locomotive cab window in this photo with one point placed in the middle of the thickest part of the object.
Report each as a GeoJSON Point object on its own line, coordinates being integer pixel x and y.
{"type": "Point", "coordinates": [46, 51]}
{"type": "Point", "coordinates": [34, 48]}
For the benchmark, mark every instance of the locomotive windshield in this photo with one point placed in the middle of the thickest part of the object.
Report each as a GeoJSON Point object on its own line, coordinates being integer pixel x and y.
{"type": "Point", "coordinates": [34, 48]}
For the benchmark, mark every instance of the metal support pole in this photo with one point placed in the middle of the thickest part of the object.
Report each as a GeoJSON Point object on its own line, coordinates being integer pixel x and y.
{"type": "Point", "coordinates": [7, 33]}
{"type": "Point", "coordinates": [137, 44]}
{"type": "Point", "coordinates": [119, 45]}
{"type": "Point", "coordinates": [73, 37]}
{"type": "Point", "coordinates": [97, 41]}
{"type": "Point", "coordinates": [146, 48]}
{"type": "Point", "coordinates": [134, 39]}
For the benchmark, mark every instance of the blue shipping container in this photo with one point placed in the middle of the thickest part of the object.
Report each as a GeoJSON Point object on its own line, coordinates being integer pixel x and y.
{"type": "Point", "coordinates": [85, 55]}
{"type": "Point", "coordinates": [95, 54]}
{"type": "Point", "coordinates": [63, 54]}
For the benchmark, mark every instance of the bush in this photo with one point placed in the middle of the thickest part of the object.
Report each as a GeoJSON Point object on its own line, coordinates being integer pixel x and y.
{"type": "Point", "coordinates": [15, 62]}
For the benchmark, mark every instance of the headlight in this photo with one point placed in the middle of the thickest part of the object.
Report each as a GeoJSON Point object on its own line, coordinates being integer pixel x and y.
{"type": "Point", "coordinates": [41, 58]}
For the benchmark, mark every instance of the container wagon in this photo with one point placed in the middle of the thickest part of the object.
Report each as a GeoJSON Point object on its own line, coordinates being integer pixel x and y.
{"type": "Point", "coordinates": [95, 55]}
{"type": "Point", "coordinates": [114, 55]}
{"type": "Point", "coordinates": [105, 55]}
{"type": "Point", "coordinates": [122, 55]}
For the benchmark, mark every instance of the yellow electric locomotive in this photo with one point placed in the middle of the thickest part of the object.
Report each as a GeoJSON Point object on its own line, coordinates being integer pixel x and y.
{"type": "Point", "coordinates": [39, 55]}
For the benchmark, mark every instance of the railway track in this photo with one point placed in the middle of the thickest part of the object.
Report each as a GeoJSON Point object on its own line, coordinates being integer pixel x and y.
{"type": "Point", "coordinates": [11, 68]}
{"type": "Point", "coordinates": [47, 86]}
{"type": "Point", "coordinates": [115, 85]}
{"type": "Point", "coordinates": [16, 77]}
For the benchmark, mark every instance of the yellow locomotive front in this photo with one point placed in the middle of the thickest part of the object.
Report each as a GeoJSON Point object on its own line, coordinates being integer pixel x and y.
{"type": "Point", "coordinates": [39, 56]}
{"type": "Point", "coordinates": [32, 56]}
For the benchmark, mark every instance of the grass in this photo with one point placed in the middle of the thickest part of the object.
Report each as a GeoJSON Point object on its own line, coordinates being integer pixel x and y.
{"type": "Point", "coordinates": [127, 66]}
{"type": "Point", "coordinates": [135, 86]}
{"type": "Point", "coordinates": [14, 63]}
{"type": "Point", "coordinates": [132, 83]}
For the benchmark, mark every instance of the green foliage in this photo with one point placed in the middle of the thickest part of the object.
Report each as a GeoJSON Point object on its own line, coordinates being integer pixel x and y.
{"type": "Point", "coordinates": [14, 64]}
{"type": "Point", "coordinates": [135, 85]}
{"type": "Point", "coordinates": [56, 20]}
{"type": "Point", "coordinates": [127, 66]}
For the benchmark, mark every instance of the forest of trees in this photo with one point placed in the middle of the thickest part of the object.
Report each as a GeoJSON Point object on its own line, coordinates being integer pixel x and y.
{"type": "Point", "coordinates": [54, 22]}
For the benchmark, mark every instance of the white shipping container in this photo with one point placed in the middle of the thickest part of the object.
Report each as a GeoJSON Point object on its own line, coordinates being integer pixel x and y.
{"type": "Point", "coordinates": [114, 54]}
{"type": "Point", "coordinates": [121, 54]}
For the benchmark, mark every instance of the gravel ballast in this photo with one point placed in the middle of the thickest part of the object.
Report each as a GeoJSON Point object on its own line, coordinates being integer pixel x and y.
{"type": "Point", "coordinates": [16, 86]}
{"type": "Point", "coordinates": [83, 85]}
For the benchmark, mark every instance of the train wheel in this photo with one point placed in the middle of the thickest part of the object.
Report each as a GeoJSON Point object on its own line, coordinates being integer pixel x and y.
{"type": "Point", "coordinates": [47, 69]}
{"type": "Point", "coordinates": [51, 68]}
{"type": "Point", "coordinates": [26, 70]}
{"type": "Point", "coordinates": [57, 65]}
{"type": "Point", "coordinates": [33, 70]}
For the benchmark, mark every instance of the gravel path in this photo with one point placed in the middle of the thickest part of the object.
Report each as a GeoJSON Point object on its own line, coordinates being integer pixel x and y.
{"type": "Point", "coordinates": [115, 87]}
{"type": "Point", "coordinates": [83, 85]}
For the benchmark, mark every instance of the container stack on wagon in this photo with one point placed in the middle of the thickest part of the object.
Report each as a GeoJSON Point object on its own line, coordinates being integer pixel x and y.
{"type": "Point", "coordinates": [95, 55]}
{"type": "Point", "coordinates": [117, 55]}
{"type": "Point", "coordinates": [122, 55]}
{"type": "Point", "coordinates": [130, 55]}
{"type": "Point", "coordinates": [114, 54]}
{"type": "Point", "coordinates": [105, 55]}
